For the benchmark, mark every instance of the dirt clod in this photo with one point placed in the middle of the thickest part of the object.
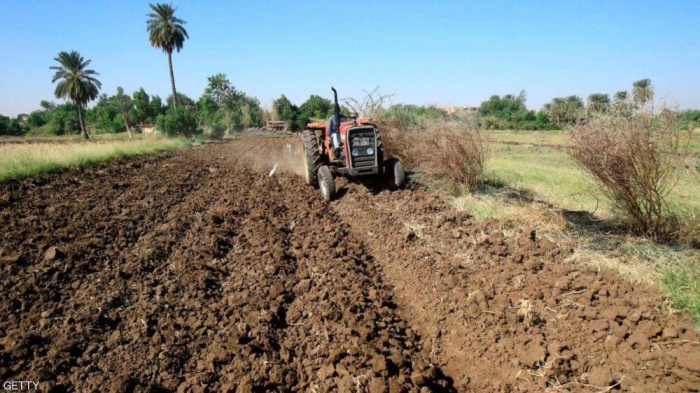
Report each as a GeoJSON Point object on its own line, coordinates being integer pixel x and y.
{"type": "Point", "coordinates": [53, 253]}
{"type": "Point", "coordinates": [690, 361]}
{"type": "Point", "coordinates": [600, 377]}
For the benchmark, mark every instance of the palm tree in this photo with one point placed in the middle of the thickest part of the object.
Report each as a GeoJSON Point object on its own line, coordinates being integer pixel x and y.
{"type": "Point", "coordinates": [124, 105]}
{"type": "Point", "coordinates": [598, 103]}
{"type": "Point", "coordinates": [565, 109]}
{"type": "Point", "coordinates": [556, 109]}
{"type": "Point", "coordinates": [643, 92]}
{"type": "Point", "coordinates": [78, 83]}
{"type": "Point", "coordinates": [167, 33]}
{"type": "Point", "coordinates": [621, 103]}
{"type": "Point", "coordinates": [573, 108]}
{"type": "Point", "coordinates": [621, 97]}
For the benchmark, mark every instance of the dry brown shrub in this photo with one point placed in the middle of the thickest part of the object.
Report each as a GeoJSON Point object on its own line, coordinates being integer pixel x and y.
{"type": "Point", "coordinates": [635, 161]}
{"type": "Point", "coordinates": [447, 150]}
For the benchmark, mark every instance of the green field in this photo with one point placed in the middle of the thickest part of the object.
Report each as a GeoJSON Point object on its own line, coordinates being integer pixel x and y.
{"type": "Point", "coordinates": [530, 137]}
{"type": "Point", "coordinates": [120, 136]}
{"type": "Point", "coordinates": [524, 160]}
{"type": "Point", "coordinates": [21, 160]}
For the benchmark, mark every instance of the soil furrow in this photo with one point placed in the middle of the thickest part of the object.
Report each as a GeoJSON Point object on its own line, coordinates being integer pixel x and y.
{"type": "Point", "coordinates": [200, 274]}
{"type": "Point", "coordinates": [502, 309]}
{"type": "Point", "coordinates": [205, 269]}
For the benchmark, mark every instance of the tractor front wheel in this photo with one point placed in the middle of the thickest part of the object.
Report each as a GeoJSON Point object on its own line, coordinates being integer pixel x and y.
{"type": "Point", "coordinates": [394, 172]}
{"type": "Point", "coordinates": [312, 158]}
{"type": "Point", "coordinates": [326, 183]}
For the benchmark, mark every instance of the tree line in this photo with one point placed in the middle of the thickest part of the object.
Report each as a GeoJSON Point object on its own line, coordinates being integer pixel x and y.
{"type": "Point", "coordinates": [510, 112]}
{"type": "Point", "coordinates": [222, 108]}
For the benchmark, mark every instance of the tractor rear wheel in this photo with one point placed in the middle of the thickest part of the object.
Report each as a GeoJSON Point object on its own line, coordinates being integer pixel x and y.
{"type": "Point", "coordinates": [394, 172]}
{"type": "Point", "coordinates": [312, 158]}
{"type": "Point", "coordinates": [325, 181]}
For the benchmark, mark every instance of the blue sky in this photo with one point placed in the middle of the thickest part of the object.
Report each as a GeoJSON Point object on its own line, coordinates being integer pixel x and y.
{"type": "Point", "coordinates": [431, 52]}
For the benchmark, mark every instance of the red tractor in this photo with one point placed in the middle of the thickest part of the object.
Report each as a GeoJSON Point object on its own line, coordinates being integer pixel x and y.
{"type": "Point", "coordinates": [357, 151]}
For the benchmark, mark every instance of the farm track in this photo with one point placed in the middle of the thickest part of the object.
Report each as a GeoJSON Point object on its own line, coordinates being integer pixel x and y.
{"type": "Point", "coordinates": [555, 146]}
{"type": "Point", "coordinates": [193, 270]}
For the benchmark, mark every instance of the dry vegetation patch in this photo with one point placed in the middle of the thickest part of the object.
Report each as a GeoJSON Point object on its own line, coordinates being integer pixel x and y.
{"type": "Point", "coordinates": [450, 151]}
{"type": "Point", "coordinates": [635, 161]}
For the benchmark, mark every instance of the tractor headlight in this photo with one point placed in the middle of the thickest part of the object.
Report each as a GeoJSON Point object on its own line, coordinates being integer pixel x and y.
{"type": "Point", "coordinates": [355, 152]}
{"type": "Point", "coordinates": [370, 151]}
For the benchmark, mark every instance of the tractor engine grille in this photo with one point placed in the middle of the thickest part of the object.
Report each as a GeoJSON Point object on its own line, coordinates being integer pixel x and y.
{"type": "Point", "coordinates": [362, 147]}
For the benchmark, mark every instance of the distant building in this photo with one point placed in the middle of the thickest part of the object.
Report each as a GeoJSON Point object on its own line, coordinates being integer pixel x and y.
{"type": "Point", "coordinates": [452, 109]}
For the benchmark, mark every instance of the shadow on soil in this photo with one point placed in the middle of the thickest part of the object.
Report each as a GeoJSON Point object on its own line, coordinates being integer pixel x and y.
{"type": "Point", "coordinates": [579, 221]}
{"type": "Point", "coordinates": [375, 185]}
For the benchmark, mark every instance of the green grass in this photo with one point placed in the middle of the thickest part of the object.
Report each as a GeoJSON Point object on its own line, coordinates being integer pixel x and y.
{"type": "Point", "coordinates": [551, 176]}
{"type": "Point", "coordinates": [18, 161]}
{"type": "Point", "coordinates": [530, 137]}
{"type": "Point", "coordinates": [544, 173]}
{"type": "Point", "coordinates": [120, 136]}
{"type": "Point", "coordinates": [682, 282]}
{"type": "Point", "coordinates": [694, 143]}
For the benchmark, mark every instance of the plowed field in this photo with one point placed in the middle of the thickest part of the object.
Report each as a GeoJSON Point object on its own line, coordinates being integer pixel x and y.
{"type": "Point", "coordinates": [195, 270]}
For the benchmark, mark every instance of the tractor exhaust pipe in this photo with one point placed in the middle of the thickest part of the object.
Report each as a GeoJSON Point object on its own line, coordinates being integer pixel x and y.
{"type": "Point", "coordinates": [336, 108]}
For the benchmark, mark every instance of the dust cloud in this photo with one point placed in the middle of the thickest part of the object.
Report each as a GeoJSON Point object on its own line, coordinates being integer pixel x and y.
{"type": "Point", "coordinates": [271, 154]}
